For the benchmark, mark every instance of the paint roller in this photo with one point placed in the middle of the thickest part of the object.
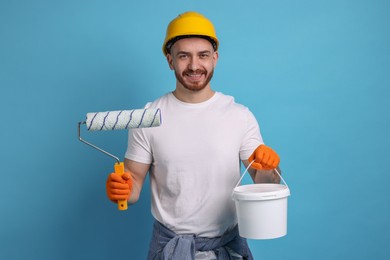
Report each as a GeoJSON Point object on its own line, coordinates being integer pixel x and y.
{"type": "Point", "coordinates": [119, 120]}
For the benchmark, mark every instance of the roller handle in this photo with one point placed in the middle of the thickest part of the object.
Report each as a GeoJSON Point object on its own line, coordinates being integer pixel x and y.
{"type": "Point", "coordinates": [120, 169]}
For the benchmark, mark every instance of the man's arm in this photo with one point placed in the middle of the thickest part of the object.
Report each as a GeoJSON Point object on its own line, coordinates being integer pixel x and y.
{"type": "Point", "coordinates": [138, 173]}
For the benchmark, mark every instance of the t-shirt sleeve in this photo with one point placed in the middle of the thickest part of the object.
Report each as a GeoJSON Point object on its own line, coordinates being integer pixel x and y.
{"type": "Point", "coordinates": [252, 136]}
{"type": "Point", "coordinates": [138, 145]}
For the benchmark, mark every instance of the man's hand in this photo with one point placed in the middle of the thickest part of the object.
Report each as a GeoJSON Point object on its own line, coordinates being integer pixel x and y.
{"type": "Point", "coordinates": [264, 158]}
{"type": "Point", "coordinates": [119, 187]}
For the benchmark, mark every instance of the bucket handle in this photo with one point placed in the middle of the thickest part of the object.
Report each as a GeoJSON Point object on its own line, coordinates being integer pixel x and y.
{"type": "Point", "coordinates": [247, 168]}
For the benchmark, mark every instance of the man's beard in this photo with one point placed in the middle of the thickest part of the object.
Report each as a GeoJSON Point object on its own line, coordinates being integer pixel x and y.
{"type": "Point", "coordinates": [198, 86]}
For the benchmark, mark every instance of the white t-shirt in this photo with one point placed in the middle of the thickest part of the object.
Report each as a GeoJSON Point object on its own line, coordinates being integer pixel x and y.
{"type": "Point", "coordinates": [195, 161]}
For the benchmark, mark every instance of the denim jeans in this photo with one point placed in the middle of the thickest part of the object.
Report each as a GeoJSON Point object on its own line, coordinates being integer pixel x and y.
{"type": "Point", "coordinates": [166, 245]}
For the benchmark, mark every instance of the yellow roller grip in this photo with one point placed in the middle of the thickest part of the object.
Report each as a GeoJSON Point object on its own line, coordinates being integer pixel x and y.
{"type": "Point", "coordinates": [120, 169]}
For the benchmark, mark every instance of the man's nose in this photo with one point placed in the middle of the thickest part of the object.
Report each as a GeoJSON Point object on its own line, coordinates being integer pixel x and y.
{"type": "Point", "coordinates": [193, 64]}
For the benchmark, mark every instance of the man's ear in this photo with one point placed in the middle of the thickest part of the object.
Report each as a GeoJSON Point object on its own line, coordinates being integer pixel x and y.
{"type": "Point", "coordinates": [216, 56]}
{"type": "Point", "coordinates": [170, 61]}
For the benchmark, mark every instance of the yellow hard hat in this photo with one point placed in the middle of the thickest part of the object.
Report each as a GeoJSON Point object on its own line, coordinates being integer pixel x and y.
{"type": "Point", "coordinates": [189, 24]}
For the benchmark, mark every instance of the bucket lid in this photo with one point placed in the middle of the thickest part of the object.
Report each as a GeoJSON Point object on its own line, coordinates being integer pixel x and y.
{"type": "Point", "coordinates": [261, 191]}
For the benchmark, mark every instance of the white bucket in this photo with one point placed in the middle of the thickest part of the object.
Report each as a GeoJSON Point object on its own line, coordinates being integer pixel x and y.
{"type": "Point", "coordinates": [261, 209]}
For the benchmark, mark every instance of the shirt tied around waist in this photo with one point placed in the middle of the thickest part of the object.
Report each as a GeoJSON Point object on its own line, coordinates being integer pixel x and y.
{"type": "Point", "coordinates": [168, 245]}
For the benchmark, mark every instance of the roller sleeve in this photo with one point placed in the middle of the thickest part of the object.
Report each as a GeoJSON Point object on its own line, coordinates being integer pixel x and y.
{"type": "Point", "coordinates": [123, 119]}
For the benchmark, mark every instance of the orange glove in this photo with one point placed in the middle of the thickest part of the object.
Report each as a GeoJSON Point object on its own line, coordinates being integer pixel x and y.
{"type": "Point", "coordinates": [119, 187]}
{"type": "Point", "coordinates": [265, 158]}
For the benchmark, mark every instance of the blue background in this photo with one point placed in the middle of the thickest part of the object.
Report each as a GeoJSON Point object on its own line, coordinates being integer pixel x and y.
{"type": "Point", "coordinates": [315, 74]}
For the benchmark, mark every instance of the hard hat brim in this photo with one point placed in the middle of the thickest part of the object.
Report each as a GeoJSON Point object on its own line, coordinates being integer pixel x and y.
{"type": "Point", "coordinates": [168, 45]}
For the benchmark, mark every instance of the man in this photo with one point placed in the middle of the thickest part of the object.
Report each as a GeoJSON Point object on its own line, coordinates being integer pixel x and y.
{"type": "Point", "coordinates": [194, 156]}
